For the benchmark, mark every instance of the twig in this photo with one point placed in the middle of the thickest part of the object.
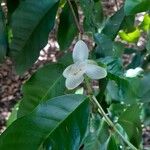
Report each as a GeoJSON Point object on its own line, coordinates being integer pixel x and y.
{"type": "Point", "coordinates": [75, 18]}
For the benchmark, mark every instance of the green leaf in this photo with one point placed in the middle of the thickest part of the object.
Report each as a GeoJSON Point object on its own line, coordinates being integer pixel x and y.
{"type": "Point", "coordinates": [46, 83]}
{"type": "Point", "coordinates": [97, 135]}
{"type": "Point", "coordinates": [145, 25]}
{"type": "Point", "coordinates": [128, 23]}
{"type": "Point", "coordinates": [148, 43]}
{"type": "Point", "coordinates": [130, 121]}
{"type": "Point", "coordinates": [136, 60]}
{"type": "Point", "coordinates": [66, 59]}
{"type": "Point", "coordinates": [113, 24]}
{"type": "Point", "coordinates": [104, 40]}
{"type": "Point", "coordinates": [104, 45]}
{"type": "Point", "coordinates": [114, 65]}
{"type": "Point", "coordinates": [116, 109]}
{"type": "Point", "coordinates": [12, 5]}
{"type": "Point", "coordinates": [67, 29]}
{"type": "Point", "coordinates": [13, 115]}
{"type": "Point", "coordinates": [130, 37]}
{"type": "Point", "coordinates": [118, 48]}
{"type": "Point", "coordinates": [93, 13]}
{"type": "Point", "coordinates": [112, 145]}
{"type": "Point", "coordinates": [136, 6]}
{"type": "Point", "coordinates": [146, 114]}
{"type": "Point", "coordinates": [144, 94]}
{"type": "Point", "coordinates": [31, 23]}
{"type": "Point", "coordinates": [64, 116]}
{"type": "Point", "coordinates": [119, 87]}
{"type": "Point", "coordinates": [3, 40]}
{"type": "Point", "coordinates": [124, 89]}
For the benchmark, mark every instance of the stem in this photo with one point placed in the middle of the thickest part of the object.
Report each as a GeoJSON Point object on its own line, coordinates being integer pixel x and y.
{"type": "Point", "coordinates": [102, 112]}
{"type": "Point", "coordinates": [75, 18]}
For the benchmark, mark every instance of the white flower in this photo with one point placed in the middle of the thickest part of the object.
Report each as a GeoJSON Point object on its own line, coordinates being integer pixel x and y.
{"type": "Point", "coordinates": [131, 73]}
{"type": "Point", "coordinates": [74, 73]}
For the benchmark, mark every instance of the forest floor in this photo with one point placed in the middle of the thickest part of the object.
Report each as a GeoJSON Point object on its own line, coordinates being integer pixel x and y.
{"type": "Point", "coordinates": [10, 82]}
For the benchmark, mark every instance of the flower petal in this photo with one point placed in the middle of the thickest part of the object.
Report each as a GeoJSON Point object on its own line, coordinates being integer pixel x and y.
{"type": "Point", "coordinates": [68, 71]}
{"type": "Point", "coordinates": [89, 61]}
{"type": "Point", "coordinates": [80, 51]}
{"type": "Point", "coordinates": [95, 71]}
{"type": "Point", "coordinates": [77, 69]}
{"type": "Point", "coordinates": [131, 73]}
{"type": "Point", "coordinates": [73, 82]}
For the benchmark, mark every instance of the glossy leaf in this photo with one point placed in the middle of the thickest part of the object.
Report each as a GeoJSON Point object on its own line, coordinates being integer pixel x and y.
{"type": "Point", "coordinates": [130, 121]}
{"type": "Point", "coordinates": [114, 65]}
{"type": "Point", "coordinates": [45, 84]}
{"type": "Point", "coordinates": [116, 109]}
{"type": "Point", "coordinates": [66, 59]}
{"type": "Point", "coordinates": [104, 45]}
{"type": "Point", "coordinates": [136, 6]}
{"type": "Point", "coordinates": [3, 38]}
{"type": "Point", "coordinates": [120, 88]}
{"type": "Point", "coordinates": [58, 117]}
{"type": "Point", "coordinates": [136, 60]}
{"type": "Point", "coordinates": [93, 13]}
{"type": "Point", "coordinates": [118, 48]}
{"type": "Point", "coordinates": [144, 94]}
{"type": "Point", "coordinates": [31, 24]}
{"type": "Point", "coordinates": [124, 89]}
{"type": "Point", "coordinates": [113, 24]}
{"type": "Point", "coordinates": [98, 134]}
{"type": "Point", "coordinates": [67, 29]}
{"type": "Point", "coordinates": [128, 23]}
{"type": "Point", "coordinates": [112, 145]}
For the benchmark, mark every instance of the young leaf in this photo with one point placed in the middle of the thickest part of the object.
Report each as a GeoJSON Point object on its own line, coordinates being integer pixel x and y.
{"type": "Point", "coordinates": [67, 29]}
{"type": "Point", "coordinates": [145, 25]}
{"type": "Point", "coordinates": [46, 83]}
{"type": "Point", "coordinates": [130, 37]}
{"type": "Point", "coordinates": [31, 23]}
{"type": "Point", "coordinates": [64, 116]}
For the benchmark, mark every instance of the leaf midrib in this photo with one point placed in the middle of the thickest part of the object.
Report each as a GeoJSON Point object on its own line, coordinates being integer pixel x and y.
{"type": "Point", "coordinates": [50, 88]}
